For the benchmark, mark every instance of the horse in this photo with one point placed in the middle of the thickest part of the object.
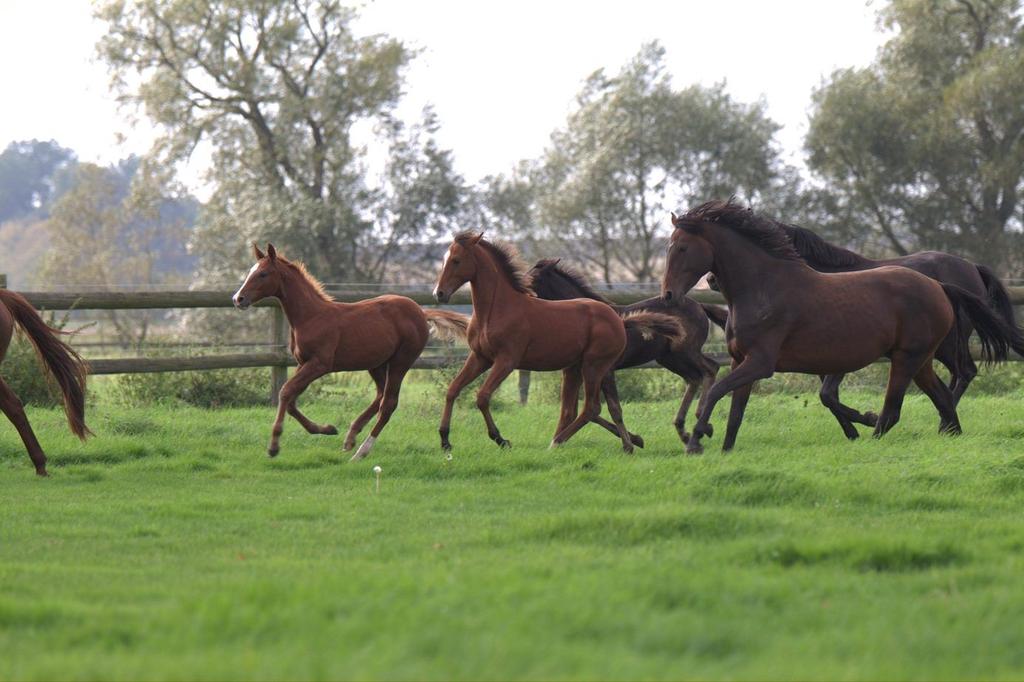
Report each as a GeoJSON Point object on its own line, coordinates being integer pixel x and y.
{"type": "Point", "coordinates": [383, 335]}
{"type": "Point", "coordinates": [785, 316]}
{"type": "Point", "coordinates": [553, 281]}
{"type": "Point", "coordinates": [513, 329]}
{"type": "Point", "coordinates": [60, 360]}
{"type": "Point", "coordinates": [946, 268]}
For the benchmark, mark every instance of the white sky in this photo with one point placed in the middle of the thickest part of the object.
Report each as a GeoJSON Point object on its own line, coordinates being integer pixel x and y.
{"type": "Point", "coordinates": [501, 75]}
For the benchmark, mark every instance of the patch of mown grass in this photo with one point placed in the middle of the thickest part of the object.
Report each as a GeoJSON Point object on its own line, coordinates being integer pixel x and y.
{"type": "Point", "coordinates": [170, 546]}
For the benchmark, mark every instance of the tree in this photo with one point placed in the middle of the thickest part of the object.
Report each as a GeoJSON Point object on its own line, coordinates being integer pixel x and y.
{"type": "Point", "coordinates": [120, 227]}
{"type": "Point", "coordinates": [925, 147]}
{"type": "Point", "coordinates": [276, 87]}
{"type": "Point", "coordinates": [635, 148]}
{"type": "Point", "coordinates": [28, 173]}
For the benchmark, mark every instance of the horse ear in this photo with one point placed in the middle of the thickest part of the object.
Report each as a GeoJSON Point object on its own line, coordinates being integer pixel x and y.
{"type": "Point", "coordinates": [271, 251]}
{"type": "Point", "coordinates": [675, 219]}
{"type": "Point", "coordinates": [256, 251]}
{"type": "Point", "coordinates": [474, 239]}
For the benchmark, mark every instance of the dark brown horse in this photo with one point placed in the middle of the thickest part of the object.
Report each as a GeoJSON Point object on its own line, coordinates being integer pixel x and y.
{"type": "Point", "coordinates": [785, 316]}
{"type": "Point", "coordinates": [382, 335]}
{"type": "Point", "coordinates": [942, 267]}
{"type": "Point", "coordinates": [555, 282]}
{"type": "Point", "coordinates": [513, 329]}
{"type": "Point", "coordinates": [63, 363]}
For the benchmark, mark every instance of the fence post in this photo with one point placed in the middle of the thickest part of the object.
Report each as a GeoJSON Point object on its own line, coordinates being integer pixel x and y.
{"type": "Point", "coordinates": [524, 386]}
{"type": "Point", "coordinates": [3, 281]}
{"type": "Point", "coordinates": [279, 338]}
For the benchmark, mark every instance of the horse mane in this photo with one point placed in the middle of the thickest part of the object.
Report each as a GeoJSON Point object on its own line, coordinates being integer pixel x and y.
{"type": "Point", "coordinates": [508, 260]}
{"type": "Point", "coordinates": [817, 251]}
{"type": "Point", "coordinates": [299, 268]}
{"type": "Point", "coordinates": [766, 233]}
{"type": "Point", "coordinates": [573, 276]}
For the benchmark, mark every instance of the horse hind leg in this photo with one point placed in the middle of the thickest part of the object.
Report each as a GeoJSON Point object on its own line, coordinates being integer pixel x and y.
{"type": "Point", "coordinates": [388, 404]}
{"type": "Point", "coordinates": [611, 394]}
{"type": "Point", "coordinates": [829, 396]}
{"type": "Point", "coordinates": [380, 375]}
{"type": "Point", "coordinates": [593, 374]}
{"type": "Point", "coordinates": [941, 397]}
{"type": "Point", "coordinates": [15, 411]}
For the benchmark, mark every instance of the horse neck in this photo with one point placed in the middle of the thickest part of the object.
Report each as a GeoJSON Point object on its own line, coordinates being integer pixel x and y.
{"type": "Point", "coordinates": [748, 271]}
{"type": "Point", "coordinates": [299, 299]}
{"type": "Point", "coordinates": [490, 288]}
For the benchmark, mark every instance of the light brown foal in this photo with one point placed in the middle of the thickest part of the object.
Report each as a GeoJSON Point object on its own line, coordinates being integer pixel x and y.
{"type": "Point", "coordinates": [59, 359]}
{"type": "Point", "coordinates": [513, 329]}
{"type": "Point", "coordinates": [382, 335]}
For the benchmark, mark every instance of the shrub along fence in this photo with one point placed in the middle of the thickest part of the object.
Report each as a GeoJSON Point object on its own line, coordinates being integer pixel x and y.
{"type": "Point", "coordinates": [278, 359]}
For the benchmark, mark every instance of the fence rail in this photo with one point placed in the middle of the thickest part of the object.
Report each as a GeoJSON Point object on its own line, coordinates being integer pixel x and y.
{"type": "Point", "coordinates": [278, 360]}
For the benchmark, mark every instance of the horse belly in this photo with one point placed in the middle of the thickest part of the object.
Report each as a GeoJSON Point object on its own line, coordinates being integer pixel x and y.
{"type": "Point", "coordinates": [834, 345]}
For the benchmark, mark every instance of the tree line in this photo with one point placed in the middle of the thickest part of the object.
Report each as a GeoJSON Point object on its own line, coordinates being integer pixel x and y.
{"type": "Point", "coordinates": [923, 148]}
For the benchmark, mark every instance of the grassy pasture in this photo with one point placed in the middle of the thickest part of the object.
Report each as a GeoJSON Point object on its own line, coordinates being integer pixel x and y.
{"type": "Point", "coordinates": [171, 547]}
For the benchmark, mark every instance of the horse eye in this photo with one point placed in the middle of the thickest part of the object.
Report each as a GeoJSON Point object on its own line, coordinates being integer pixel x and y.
{"type": "Point", "coordinates": [455, 261]}
{"type": "Point", "coordinates": [264, 274]}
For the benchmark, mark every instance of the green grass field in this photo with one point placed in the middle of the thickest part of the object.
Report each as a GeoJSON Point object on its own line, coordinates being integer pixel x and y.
{"type": "Point", "coordinates": [170, 547]}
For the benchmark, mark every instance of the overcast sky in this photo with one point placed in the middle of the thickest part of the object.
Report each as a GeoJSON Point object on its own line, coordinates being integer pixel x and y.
{"type": "Point", "coordinates": [502, 75]}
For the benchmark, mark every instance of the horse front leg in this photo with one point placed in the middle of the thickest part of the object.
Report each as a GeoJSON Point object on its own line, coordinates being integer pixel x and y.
{"type": "Point", "coordinates": [303, 377]}
{"type": "Point", "coordinates": [749, 370]}
{"type": "Point", "coordinates": [474, 366]}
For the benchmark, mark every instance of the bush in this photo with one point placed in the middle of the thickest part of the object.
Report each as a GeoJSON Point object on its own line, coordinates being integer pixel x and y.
{"type": "Point", "coordinates": [208, 388]}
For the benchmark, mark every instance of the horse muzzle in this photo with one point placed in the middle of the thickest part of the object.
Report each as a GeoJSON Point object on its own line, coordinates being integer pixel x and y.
{"type": "Point", "coordinates": [241, 302]}
{"type": "Point", "coordinates": [441, 296]}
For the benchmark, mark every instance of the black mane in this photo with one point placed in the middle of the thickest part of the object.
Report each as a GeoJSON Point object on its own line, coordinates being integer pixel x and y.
{"type": "Point", "coordinates": [818, 252]}
{"type": "Point", "coordinates": [507, 259]}
{"type": "Point", "coordinates": [574, 277]}
{"type": "Point", "coordinates": [765, 232]}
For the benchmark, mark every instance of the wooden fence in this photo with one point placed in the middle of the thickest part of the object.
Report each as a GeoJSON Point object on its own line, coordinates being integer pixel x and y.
{"type": "Point", "coordinates": [278, 359]}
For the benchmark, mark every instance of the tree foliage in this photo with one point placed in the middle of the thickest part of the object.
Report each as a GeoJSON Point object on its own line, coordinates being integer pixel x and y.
{"type": "Point", "coordinates": [277, 88]}
{"type": "Point", "coordinates": [635, 148]}
{"type": "Point", "coordinates": [925, 147]}
{"type": "Point", "coordinates": [120, 227]}
{"type": "Point", "coordinates": [28, 177]}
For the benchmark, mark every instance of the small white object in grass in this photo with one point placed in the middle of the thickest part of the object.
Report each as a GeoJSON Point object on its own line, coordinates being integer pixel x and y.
{"type": "Point", "coordinates": [377, 470]}
{"type": "Point", "coordinates": [448, 457]}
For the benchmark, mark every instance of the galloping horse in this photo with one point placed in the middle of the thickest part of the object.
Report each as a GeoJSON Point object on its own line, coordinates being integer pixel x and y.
{"type": "Point", "coordinates": [555, 282]}
{"type": "Point", "coordinates": [513, 329]}
{"type": "Point", "coordinates": [383, 335]}
{"type": "Point", "coordinates": [63, 363]}
{"type": "Point", "coordinates": [784, 316]}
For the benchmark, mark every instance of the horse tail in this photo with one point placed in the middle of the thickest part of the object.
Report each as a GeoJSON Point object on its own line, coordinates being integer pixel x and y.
{"type": "Point", "coordinates": [63, 363]}
{"type": "Point", "coordinates": [998, 297]}
{"type": "Point", "coordinates": [655, 324]}
{"type": "Point", "coordinates": [997, 335]}
{"type": "Point", "coordinates": [716, 314]}
{"type": "Point", "coordinates": [447, 325]}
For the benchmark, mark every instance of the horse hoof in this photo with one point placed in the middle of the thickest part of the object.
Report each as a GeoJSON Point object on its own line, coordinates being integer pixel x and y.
{"type": "Point", "coordinates": [709, 430]}
{"type": "Point", "coordinates": [637, 440]}
{"type": "Point", "coordinates": [685, 438]}
{"type": "Point", "coordinates": [328, 430]}
{"type": "Point", "coordinates": [42, 473]}
{"type": "Point", "coordinates": [348, 445]}
{"type": "Point", "coordinates": [694, 448]}
{"type": "Point", "coordinates": [446, 447]}
{"type": "Point", "coordinates": [503, 444]}
{"type": "Point", "coordinates": [628, 449]}
{"type": "Point", "coordinates": [871, 418]}
{"type": "Point", "coordinates": [272, 452]}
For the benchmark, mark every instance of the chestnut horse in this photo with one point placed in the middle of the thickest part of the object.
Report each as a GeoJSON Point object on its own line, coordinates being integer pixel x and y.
{"type": "Point", "coordinates": [513, 329]}
{"type": "Point", "coordinates": [383, 335]}
{"type": "Point", "coordinates": [555, 282]}
{"type": "Point", "coordinates": [63, 363]}
{"type": "Point", "coordinates": [785, 316]}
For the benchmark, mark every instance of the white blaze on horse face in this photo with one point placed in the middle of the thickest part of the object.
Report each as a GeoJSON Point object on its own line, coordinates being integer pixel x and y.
{"type": "Point", "coordinates": [252, 271]}
{"type": "Point", "coordinates": [444, 263]}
